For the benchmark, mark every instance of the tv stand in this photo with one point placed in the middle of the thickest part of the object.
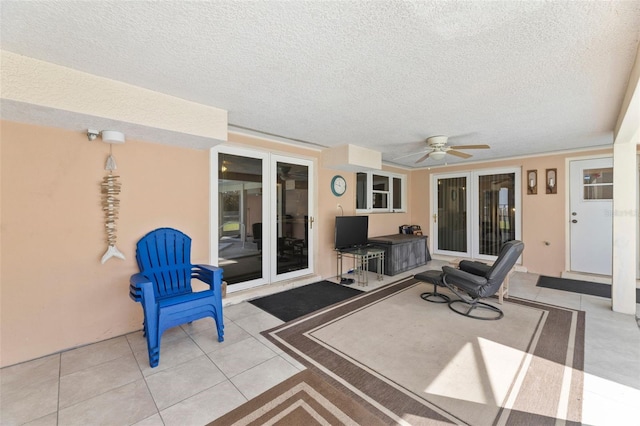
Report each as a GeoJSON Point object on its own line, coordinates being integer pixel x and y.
{"type": "Point", "coordinates": [361, 258]}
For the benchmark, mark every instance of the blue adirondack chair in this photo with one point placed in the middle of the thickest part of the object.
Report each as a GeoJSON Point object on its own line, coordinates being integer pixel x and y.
{"type": "Point", "coordinates": [163, 287]}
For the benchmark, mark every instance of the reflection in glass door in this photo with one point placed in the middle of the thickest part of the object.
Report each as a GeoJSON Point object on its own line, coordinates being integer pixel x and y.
{"type": "Point", "coordinates": [452, 215]}
{"type": "Point", "coordinates": [292, 217]}
{"type": "Point", "coordinates": [497, 212]}
{"type": "Point", "coordinates": [240, 217]}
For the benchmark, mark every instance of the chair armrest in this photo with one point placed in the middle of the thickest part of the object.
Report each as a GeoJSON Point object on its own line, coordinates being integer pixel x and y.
{"type": "Point", "coordinates": [208, 274]}
{"type": "Point", "coordinates": [140, 287]}
{"type": "Point", "coordinates": [474, 267]}
{"type": "Point", "coordinates": [461, 278]}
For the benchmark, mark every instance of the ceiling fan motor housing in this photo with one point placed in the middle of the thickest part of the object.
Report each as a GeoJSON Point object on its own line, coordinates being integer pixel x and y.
{"type": "Point", "coordinates": [437, 141]}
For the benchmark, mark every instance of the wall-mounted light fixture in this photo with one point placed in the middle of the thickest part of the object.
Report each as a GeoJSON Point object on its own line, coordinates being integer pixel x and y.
{"type": "Point", "coordinates": [532, 182]}
{"type": "Point", "coordinates": [108, 136]}
{"type": "Point", "coordinates": [552, 181]}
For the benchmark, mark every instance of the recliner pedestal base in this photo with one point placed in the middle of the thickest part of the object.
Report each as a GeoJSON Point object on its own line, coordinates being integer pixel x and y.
{"type": "Point", "coordinates": [435, 297]}
{"type": "Point", "coordinates": [476, 305]}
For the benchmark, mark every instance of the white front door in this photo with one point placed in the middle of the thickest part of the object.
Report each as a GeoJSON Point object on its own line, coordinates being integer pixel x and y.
{"type": "Point", "coordinates": [590, 215]}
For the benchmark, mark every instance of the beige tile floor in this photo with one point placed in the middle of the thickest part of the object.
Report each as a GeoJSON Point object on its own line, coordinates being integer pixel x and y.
{"type": "Point", "coordinates": [199, 379]}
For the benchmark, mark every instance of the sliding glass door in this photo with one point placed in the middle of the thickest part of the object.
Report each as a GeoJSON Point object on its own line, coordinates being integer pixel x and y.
{"type": "Point", "coordinates": [476, 212]}
{"type": "Point", "coordinates": [261, 221]}
{"type": "Point", "coordinates": [293, 222]}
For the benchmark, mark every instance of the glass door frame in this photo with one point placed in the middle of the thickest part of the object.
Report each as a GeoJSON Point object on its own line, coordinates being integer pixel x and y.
{"type": "Point", "coordinates": [473, 213]}
{"type": "Point", "coordinates": [275, 224]}
{"type": "Point", "coordinates": [269, 213]}
{"type": "Point", "coordinates": [214, 209]}
{"type": "Point", "coordinates": [435, 214]}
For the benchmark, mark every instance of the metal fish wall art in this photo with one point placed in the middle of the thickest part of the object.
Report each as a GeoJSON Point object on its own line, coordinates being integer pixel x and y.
{"type": "Point", "coordinates": [110, 189]}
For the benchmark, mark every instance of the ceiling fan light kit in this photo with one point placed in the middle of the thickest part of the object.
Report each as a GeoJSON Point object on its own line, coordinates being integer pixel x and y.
{"type": "Point", "coordinates": [437, 155]}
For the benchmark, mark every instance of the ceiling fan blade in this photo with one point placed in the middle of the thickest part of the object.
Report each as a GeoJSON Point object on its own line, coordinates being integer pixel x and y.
{"type": "Point", "coordinates": [470, 147]}
{"type": "Point", "coordinates": [459, 154]}
{"type": "Point", "coordinates": [424, 157]}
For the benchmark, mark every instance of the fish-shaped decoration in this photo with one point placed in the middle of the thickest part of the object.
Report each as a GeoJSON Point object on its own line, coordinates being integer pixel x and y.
{"type": "Point", "coordinates": [110, 189]}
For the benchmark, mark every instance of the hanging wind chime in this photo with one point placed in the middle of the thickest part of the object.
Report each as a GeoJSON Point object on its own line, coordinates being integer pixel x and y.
{"type": "Point", "coordinates": [110, 190]}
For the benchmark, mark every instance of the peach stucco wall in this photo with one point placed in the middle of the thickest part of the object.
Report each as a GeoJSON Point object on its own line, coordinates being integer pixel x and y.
{"type": "Point", "coordinates": [544, 216]}
{"type": "Point", "coordinates": [55, 293]}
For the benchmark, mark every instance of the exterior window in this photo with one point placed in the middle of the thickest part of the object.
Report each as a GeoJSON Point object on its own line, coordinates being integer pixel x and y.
{"type": "Point", "coordinates": [380, 192]}
{"type": "Point", "coordinates": [397, 193]}
{"type": "Point", "coordinates": [361, 191]}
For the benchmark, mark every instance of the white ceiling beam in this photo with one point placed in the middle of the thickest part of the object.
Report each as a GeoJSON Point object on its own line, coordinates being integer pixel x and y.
{"type": "Point", "coordinates": [49, 87]}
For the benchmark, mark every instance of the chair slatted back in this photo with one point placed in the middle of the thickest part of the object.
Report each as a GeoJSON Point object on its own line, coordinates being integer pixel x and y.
{"type": "Point", "coordinates": [164, 257]}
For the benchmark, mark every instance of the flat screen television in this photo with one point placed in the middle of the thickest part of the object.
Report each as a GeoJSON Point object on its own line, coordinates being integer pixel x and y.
{"type": "Point", "coordinates": [351, 231]}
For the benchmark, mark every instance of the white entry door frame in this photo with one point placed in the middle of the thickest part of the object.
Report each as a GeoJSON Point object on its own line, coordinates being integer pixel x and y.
{"type": "Point", "coordinates": [590, 215]}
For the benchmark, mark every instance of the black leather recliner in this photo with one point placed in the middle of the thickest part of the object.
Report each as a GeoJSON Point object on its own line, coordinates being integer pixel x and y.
{"type": "Point", "coordinates": [476, 280]}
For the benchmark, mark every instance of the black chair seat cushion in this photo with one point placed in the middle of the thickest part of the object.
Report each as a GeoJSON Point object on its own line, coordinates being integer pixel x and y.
{"type": "Point", "coordinates": [432, 277]}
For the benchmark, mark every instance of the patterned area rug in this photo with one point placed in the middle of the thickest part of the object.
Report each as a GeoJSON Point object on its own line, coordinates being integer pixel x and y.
{"type": "Point", "coordinates": [408, 361]}
{"type": "Point", "coordinates": [304, 399]}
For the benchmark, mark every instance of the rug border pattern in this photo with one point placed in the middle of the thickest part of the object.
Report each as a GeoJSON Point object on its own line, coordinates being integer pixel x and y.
{"type": "Point", "coordinates": [289, 338]}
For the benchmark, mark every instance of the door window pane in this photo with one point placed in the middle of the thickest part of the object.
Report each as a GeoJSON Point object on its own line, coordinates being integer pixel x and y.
{"type": "Point", "coordinates": [598, 184]}
{"type": "Point", "coordinates": [496, 211]}
{"type": "Point", "coordinates": [292, 181]}
{"type": "Point", "coordinates": [239, 217]}
{"type": "Point", "coordinates": [452, 214]}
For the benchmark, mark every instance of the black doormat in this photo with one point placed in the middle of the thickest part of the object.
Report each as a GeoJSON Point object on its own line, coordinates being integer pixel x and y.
{"type": "Point", "coordinates": [577, 286]}
{"type": "Point", "coordinates": [291, 304]}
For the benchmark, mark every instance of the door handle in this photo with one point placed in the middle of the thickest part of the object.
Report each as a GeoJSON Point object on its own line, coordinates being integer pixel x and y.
{"type": "Point", "coordinates": [435, 218]}
{"type": "Point", "coordinates": [311, 222]}
{"type": "Point", "coordinates": [574, 221]}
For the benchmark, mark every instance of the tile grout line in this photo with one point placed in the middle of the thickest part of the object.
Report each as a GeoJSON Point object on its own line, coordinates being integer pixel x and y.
{"type": "Point", "coordinates": [145, 384]}
{"type": "Point", "coordinates": [59, 380]}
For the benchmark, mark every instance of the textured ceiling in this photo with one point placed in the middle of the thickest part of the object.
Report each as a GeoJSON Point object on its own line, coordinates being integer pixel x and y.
{"type": "Point", "coordinates": [525, 77]}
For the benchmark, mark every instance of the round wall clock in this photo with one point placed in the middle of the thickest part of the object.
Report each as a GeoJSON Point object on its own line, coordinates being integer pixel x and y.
{"type": "Point", "coordinates": [338, 185]}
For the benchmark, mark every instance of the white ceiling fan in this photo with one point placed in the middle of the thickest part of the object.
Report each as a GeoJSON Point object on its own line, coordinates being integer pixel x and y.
{"type": "Point", "coordinates": [439, 149]}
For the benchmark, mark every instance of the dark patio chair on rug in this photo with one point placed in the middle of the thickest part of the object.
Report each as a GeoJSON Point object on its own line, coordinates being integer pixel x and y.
{"type": "Point", "coordinates": [478, 280]}
{"type": "Point", "coordinates": [163, 287]}
{"type": "Point", "coordinates": [473, 281]}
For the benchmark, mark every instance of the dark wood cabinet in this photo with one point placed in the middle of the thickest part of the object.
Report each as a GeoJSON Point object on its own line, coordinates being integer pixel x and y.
{"type": "Point", "coordinates": [402, 252]}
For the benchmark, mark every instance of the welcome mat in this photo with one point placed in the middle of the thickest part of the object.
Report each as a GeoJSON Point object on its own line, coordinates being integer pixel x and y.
{"type": "Point", "coordinates": [413, 362]}
{"type": "Point", "coordinates": [291, 304]}
{"type": "Point", "coordinates": [577, 286]}
{"type": "Point", "coordinates": [304, 399]}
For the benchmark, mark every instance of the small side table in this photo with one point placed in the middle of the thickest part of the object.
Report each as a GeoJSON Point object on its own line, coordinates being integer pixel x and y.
{"type": "Point", "coordinates": [361, 258]}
